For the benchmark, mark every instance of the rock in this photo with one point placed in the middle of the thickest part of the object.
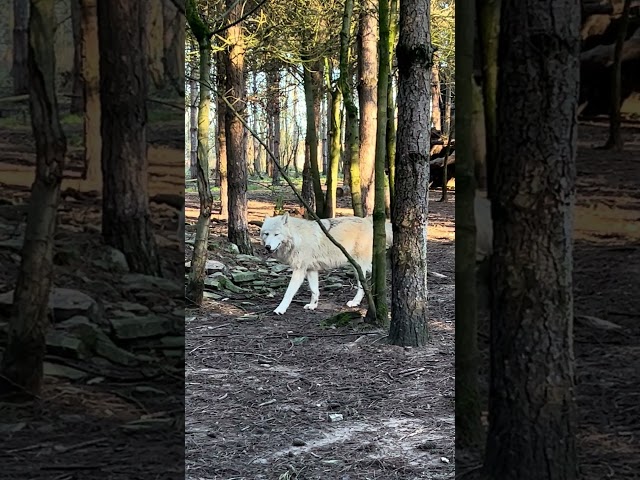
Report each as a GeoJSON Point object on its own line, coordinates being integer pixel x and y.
{"type": "Point", "coordinates": [173, 342]}
{"type": "Point", "coordinates": [279, 268]}
{"type": "Point", "coordinates": [13, 244]}
{"type": "Point", "coordinates": [214, 266]}
{"type": "Point", "coordinates": [241, 257]}
{"type": "Point", "coordinates": [94, 340]}
{"type": "Point", "coordinates": [111, 260]}
{"type": "Point", "coordinates": [132, 307]}
{"type": "Point", "coordinates": [64, 303]}
{"type": "Point", "coordinates": [258, 283]}
{"type": "Point", "coordinates": [219, 281]}
{"type": "Point", "coordinates": [65, 345]}
{"type": "Point", "coordinates": [62, 371]}
{"type": "Point", "coordinates": [211, 296]}
{"type": "Point", "coordinates": [233, 248]}
{"type": "Point", "coordinates": [137, 282]}
{"type": "Point", "coordinates": [298, 442]}
{"type": "Point", "coordinates": [335, 417]}
{"type": "Point", "coordinates": [140, 327]}
{"type": "Point", "coordinates": [239, 277]}
{"type": "Point", "coordinates": [12, 427]}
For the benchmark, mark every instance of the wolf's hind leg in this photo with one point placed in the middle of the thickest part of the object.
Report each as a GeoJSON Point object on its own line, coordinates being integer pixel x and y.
{"type": "Point", "coordinates": [360, 293]}
{"type": "Point", "coordinates": [312, 278]}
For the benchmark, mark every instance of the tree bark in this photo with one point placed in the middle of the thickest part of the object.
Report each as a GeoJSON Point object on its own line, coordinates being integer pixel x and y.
{"type": "Point", "coordinates": [311, 140]}
{"type": "Point", "coordinates": [195, 285]}
{"type": "Point", "coordinates": [334, 153]}
{"type": "Point", "coordinates": [236, 154]}
{"type": "Point", "coordinates": [77, 93]}
{"type": "Point", "coordinates": [126, 222]}
{"type": "Point", "coordinates": [615, 138]}
{"type": "Point", "coordinates": [22, 362]}
{"type": "Point", "coordinates": [532, 412]}
{"type": "Point", "coordinates": [273, 112]}
{"type": "Point", "coordinates": [391, 110]}
{"type": "Point", "coordinates": [193, 126]}
{"type": "Point", "coordinates": [409, 216]}
{"type": "Point", "coordinates": [436, 116]}
{"type": "Point", "coordinates": [20, 68]}
{"type": "Point", "coordinates": [221, 144]}
{"type": "Point", "coordinates": [468, 426]}
{"type": "Point", "coordinates": [379, 274]}
{"type": "Point", "coordinates": [367, 97]}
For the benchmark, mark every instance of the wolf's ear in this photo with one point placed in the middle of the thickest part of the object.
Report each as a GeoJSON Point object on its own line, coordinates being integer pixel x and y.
{"type": "Point", "coordinates": [285, 218]}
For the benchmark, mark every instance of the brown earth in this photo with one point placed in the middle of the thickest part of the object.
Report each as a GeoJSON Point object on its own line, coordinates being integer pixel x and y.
{"type": "Point", "coordinates": [260, 387]}
{"type": "Point", "coordinates": [606, 283]}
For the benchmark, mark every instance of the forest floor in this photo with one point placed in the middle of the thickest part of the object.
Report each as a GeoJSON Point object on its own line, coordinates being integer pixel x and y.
{"type": "Point", "coordinates": [113, 400]}
{"type": "Point", "coordinates": [606, 285]}
{"type": "Point", "coordinates": [293, 396]}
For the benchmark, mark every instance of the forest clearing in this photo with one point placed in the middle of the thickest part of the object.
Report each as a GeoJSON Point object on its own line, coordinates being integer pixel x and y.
{"type": "Point", "coordinates": [261, 389]}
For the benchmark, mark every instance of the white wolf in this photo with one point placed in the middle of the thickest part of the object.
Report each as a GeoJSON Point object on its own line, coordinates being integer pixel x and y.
{"type": "Point", "coordinates": [303, 246]}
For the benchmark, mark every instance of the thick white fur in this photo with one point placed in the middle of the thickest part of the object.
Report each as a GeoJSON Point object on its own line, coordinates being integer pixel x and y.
{"type": "Point", "coordinates": [303, 246]}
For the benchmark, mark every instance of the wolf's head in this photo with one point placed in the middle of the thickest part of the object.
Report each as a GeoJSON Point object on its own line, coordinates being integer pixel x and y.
{"type": "Point", "coordinates": [274, 231]}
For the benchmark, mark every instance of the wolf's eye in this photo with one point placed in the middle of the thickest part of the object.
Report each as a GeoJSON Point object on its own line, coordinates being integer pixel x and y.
{"type": "Point", "coordinates": [266, 234]}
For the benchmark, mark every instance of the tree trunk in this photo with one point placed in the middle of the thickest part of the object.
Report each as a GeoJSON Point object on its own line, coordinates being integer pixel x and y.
{"type": "Point", "coordinates": [273, 111]}
{"type": "Point", "coordinates": [532, 412]}
{"type": "Point", "coordinates": [379, 274]}
{"type": "Point", "coordinates": [468, 427]}
{"type": "Point", "coordinates": [22, 362]}
{"type": "Point", "coordinates": [174, 41]}
{"type": "Point", "coordinates": [90, 51]}
{"type": "Point", "coordinates": [237, 162]}
{"type": "Point", "coordinates": [409, 251]}
{"type": "Point", "coordinates": [193, 126]}
{"type": "Point", "coordinates": [311, 140]}
{"type": "Point", "coordinates": [334, 153]}
{"type": "Point", "coordinates": [436, 117]}
{"type": "Point", "coordinates": [126, 222]}
{"type": "Point", "coordinates": [77, 93]}
{"type": "Point", "coordinates": [489, 26]}
{"type": "Point", "coordinates": [20, 69]}
{"type": "Point", "coordinates": [195, 286]}
{"type": "Point", "coordinates": [222, 137]}
{"type": "Point", "coordinates": [391, 110]}
{"type": "Point", "coordinates": [615, 138]}
{"type": "Point", "coordinates": [256, 145]}
{"type": "Point", "coordinates": [367, 84]}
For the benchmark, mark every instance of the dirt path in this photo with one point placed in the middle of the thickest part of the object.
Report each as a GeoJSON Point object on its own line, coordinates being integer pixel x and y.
{"type": "Point", "coordinates": [606, 282]}
{"type": "Point", "coordinates": [261, 390]}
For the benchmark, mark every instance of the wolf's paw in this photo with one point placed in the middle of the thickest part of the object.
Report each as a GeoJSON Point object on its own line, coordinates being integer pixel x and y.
{"type": "Point", "coordinates": [279, 310]}
{"type": "Point", "coordinates": [311, 306]}
{"type": "Point", "coordinates": [352, 303]}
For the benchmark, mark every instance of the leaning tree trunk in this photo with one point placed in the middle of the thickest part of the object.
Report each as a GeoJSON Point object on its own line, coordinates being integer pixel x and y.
{"type": "Point", "coordinates": [236, 154]}
{"type": "Point", "coordinates": [195, 286]}
{"type": "Point", "coordinates": [379, 274]}
{"type": "Point", "coordinates": [367, 84]}
{"type": "Point", "coordinates": [468, 426]}
{"type": "Point", "coordinates": [273, 112]}
{"type": "Point", "coordinates": [22, 362]}
{"type": "Point", "coordinates": [20, 69]}
{"type": "Point", "coordinates": [126, 220]}
{"type": "Point", "coordinates": [532, 412]}
{"type": "Point", "coordinates": [409, 215]}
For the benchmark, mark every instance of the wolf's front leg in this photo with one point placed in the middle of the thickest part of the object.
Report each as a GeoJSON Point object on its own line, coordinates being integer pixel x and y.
{"type": "Point", "coordinates": [312, 278]}
{"type": "Point", "coordinates": [294, 284]}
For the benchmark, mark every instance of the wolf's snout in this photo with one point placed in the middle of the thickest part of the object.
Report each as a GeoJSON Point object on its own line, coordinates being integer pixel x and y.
{"type": "Point", "coordinates": [268, 247]}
